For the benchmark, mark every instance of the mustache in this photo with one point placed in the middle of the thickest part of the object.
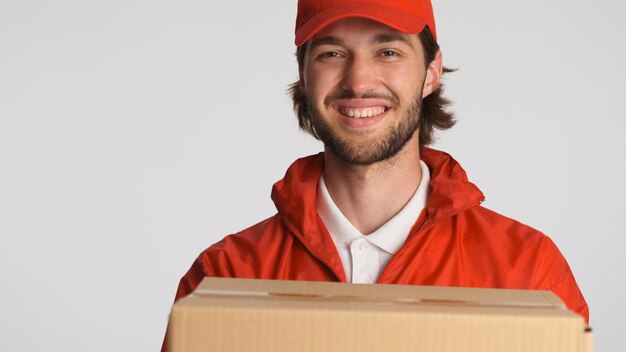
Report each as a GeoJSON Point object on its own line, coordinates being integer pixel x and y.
{"type": "Point", "coordinates": [348, 94]}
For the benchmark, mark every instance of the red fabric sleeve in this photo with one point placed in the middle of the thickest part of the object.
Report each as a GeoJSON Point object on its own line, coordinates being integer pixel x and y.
{"type": "Point", "coordinates": [569, 292]}
{"type": "Point", "coordinates": [554, 274]}
{"type": "Point", "coordinates": [190, 280]}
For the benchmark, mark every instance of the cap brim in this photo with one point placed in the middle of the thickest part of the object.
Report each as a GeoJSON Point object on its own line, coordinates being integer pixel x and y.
{"type": "Point", "coordinates": [388, 15]}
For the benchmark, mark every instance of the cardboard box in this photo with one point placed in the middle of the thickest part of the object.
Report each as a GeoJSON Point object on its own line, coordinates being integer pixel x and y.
{"type": "Point", "coordinates": [266, 315]}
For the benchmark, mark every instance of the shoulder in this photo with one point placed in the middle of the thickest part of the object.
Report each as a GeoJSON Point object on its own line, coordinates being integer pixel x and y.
{"type": "Point", "coordinates": [538, 260]}
{"type": "Point", "coordinates": [522, 243]}
{"type": "Point", "coordinates": [490, 225]}
{"type": "Point", "coordinates": [237, 253]}
{"type": "Point", "coordinates": [511, 245]}
{"type": "Point", "coordinates": [255, 234]}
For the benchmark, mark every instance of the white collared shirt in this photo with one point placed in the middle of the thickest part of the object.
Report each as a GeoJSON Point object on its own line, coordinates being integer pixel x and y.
{"type": "Point", "coordinates": [365, 257]}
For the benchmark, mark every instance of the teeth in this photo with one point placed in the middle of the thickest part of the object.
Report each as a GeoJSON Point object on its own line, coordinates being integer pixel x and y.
{"type": "Point", "coordinates": [358, 113]}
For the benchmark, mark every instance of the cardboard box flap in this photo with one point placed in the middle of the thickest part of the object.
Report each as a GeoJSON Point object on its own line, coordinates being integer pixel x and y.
{"type": "Point", "coordinates": [238, 315]}
{"type": "Point", "coordinates": [381, 293]}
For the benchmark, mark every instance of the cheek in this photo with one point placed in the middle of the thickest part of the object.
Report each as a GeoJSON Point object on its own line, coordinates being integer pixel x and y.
{"type": "Point", "coordinates": [404, 83]}
{"type": "Point", "coordinates": [319, 84]}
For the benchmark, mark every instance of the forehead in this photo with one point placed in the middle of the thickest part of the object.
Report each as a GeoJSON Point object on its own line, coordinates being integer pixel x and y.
{"type": "Point", "coordinates": [361, 29]}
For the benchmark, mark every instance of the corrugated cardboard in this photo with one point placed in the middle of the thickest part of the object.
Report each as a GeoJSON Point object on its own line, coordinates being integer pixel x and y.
{"type": "Point", "coordinates": [265, 315]}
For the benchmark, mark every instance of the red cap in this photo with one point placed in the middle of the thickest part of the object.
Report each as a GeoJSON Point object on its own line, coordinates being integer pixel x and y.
{"type": "Point", "coordinates": [408, 16]}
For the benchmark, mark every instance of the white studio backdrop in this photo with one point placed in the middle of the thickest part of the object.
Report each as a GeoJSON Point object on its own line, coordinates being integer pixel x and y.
{"type": "Point", "coordinates": [134, 134]}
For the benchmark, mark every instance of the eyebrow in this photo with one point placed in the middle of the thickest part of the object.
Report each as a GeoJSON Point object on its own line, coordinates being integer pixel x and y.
{"type": "Point", "coordinates": [380, 38]}
{"type": "Point", "coordinates": [383, 38]}
{"type": "Point", "coordinates": [325, 41]}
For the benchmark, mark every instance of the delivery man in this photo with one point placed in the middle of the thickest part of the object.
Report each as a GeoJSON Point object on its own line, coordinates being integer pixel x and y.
{"type": "Point", "coordinates": [379, 206]}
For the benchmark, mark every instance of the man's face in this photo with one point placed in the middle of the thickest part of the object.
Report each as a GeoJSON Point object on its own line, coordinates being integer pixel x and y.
{"type": "Point", "coordinates": [364, 82]}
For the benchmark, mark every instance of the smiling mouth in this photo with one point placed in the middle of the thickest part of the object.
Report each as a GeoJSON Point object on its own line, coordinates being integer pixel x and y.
{"type": "Point", "coordinates": [361, 113]}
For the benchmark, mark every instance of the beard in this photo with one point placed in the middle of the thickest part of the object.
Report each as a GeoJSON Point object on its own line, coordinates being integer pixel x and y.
{"type": "Point", "coordinates": [368, 152]}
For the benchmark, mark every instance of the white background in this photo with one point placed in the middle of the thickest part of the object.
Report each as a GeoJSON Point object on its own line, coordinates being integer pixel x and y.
{"type": "Point", "coordinates": [134, 134]}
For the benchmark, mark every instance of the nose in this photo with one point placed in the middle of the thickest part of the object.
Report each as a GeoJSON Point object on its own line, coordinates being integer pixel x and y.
{"type": "Point", "coordinates": [359, 75]}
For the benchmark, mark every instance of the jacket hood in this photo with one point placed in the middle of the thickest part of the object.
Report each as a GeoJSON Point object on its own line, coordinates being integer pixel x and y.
{"type": "Point", "coordinates": [295, 196]}
{"type": "Point", "coordinates": [451, 191]}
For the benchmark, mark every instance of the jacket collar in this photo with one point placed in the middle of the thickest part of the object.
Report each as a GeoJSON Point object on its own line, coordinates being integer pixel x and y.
{"type": "Point", "coordinates": [451, 191]}
{"type": "Point", "coordinates": [295, 197]}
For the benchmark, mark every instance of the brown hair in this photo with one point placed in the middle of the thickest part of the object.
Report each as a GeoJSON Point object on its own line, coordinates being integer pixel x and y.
{"type": "Point", "coordinates": [434, 113]}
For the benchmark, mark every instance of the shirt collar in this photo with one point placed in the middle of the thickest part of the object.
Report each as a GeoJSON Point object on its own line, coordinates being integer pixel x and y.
{"type": "Point", "coordinates": [391, 235]}
{"type": "Point", "coordinates": [340, 229]}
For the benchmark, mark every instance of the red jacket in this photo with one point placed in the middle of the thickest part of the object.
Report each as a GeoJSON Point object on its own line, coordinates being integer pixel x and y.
{"type": "Point", "coordinates": [455, 242]}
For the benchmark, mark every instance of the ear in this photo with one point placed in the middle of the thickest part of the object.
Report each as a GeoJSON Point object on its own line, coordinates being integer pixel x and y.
{"type": "Point", "coordinates": [433, 75]}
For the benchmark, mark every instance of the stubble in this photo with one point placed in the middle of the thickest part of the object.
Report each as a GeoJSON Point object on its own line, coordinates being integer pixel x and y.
{"type": "Point", "coordinates": [369, 152]}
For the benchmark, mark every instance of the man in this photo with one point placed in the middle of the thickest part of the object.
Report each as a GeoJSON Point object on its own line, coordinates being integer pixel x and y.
{"type": "Point", "coordinates": [378, 206]}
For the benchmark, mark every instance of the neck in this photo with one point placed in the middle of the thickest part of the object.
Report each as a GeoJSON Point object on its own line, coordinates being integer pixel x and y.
{"type": "Point", "coordinates": [370, 195]}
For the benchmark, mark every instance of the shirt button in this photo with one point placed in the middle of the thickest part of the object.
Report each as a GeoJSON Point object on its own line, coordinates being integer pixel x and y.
{"type": "Point", "coordinates": [363, 246]}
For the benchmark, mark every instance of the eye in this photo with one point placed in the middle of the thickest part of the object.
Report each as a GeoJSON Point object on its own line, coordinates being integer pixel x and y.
{"type": "Point", "coordinates": [328, 54]}
{"type": "Point", "coordinates": [389, 53]}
